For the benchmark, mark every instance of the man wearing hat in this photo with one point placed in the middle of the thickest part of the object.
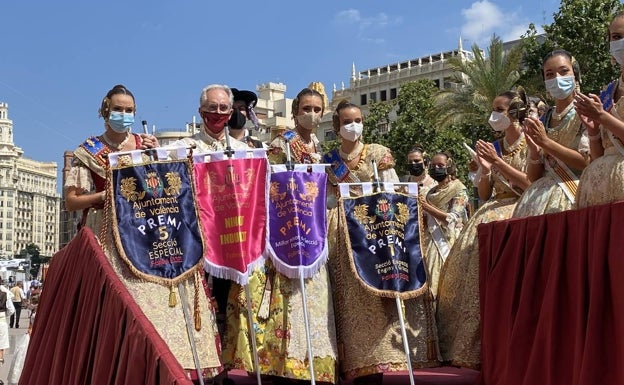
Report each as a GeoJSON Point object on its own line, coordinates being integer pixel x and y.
{"type": "Point", "coordinates": [244, 102]}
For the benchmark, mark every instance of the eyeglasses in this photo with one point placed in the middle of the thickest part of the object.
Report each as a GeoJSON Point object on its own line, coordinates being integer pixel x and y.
{"type": "Point", "coordinates": [214, 107]}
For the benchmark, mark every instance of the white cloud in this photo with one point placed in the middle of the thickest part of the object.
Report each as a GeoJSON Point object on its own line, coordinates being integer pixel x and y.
{"type": "Point", "coordinates": [366, 24]}
{"type": "Point", "coordinates": [349, 15]}
{"type": "Point", "coordinates": [514, 32]}
{"type": "Point", "coordinates": [374, 40]}
{"type": "Point", "coordinates": [484, 18]}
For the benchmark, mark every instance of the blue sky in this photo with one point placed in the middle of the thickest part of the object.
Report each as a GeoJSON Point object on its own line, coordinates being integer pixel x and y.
{"type": "Point", "coordinates": [59, 58]}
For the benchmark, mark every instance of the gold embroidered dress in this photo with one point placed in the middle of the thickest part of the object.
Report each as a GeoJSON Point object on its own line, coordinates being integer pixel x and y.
{"type": "Point", "coordinates": [152, 298]}
{"type": "Point", "coordinates": [602, 180]}
{"type": "Point", "coordinates": [368, 326]}
{"type": "Point", "coordinates": [277, 309]}
{"type": "Point", "coordinates": [453, 199]}
{"type": "Point", "coordinates": [545, 195]}
{"type": "Point", "coordinates": [300, 151]}
{"type": "Point", "coordinates": [458, 310]}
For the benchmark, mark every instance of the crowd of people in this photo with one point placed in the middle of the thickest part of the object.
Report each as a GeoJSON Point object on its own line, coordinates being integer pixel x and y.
{"type": "Point", "coordinates": [547, 159]}
{"type": "Point", "coordinates": [12, 302]}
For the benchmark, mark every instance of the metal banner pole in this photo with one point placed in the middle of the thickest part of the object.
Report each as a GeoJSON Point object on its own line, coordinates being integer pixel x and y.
{"type": "Point", "coordinates": [252, 335]}
{"type": "Point", "coordinates": [189, 329]}
{"type": "Point", "coordinates": [401, 310]}
{"type": "Point", "coordinates": [307, 325]}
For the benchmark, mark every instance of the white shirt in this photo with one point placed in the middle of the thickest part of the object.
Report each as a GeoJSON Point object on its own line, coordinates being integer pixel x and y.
{"type": "Point", "coordinates": [9, 302]}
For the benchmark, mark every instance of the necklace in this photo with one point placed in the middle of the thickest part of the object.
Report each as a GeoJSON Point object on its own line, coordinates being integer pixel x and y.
{"type": "Point", "coordinates": [562, 114]}
{"type": "Point", "coordinates": [513, 149]}
{"type": "Point", "coordinates": [354, 154]}
{"type": "Point", "coordinates": [307, 142]}
{"type": "Point", "coordinates": [116, 146]}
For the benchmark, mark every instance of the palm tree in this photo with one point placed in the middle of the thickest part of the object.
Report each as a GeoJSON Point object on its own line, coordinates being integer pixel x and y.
{"type": "Point", "coordinates": [477, 83]}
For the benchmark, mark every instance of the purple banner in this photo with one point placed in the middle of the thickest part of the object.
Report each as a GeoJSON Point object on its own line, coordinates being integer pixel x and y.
{"type": "Point", "coordinates": [298, 222]}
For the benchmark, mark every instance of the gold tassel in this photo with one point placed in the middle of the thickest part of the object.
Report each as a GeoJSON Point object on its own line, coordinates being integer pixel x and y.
{"type": "Point", "coordinates": [172, 297]}
{"type": "Point", "coordinates": [197, 313]}
{"type": "Point", "coordinates": [197, 320]}
{"type": "Point", "coordinates": [432, 354]}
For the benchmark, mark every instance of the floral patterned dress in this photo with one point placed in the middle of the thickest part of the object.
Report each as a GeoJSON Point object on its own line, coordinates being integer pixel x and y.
{"type": "Point", "coordinates": [368, 326]}
{"type": "Point", "coordinates": [277, 308]}
{"type": "Point", "coordinates": [603, 180]}
{"type": "Point", "coordinates": [458, 318]}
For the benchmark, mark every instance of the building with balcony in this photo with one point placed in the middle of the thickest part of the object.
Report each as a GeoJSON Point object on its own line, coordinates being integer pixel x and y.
{"type": "Point", "coordinates": [29, 202]}
{"type": "Point", "coordinates": [381, 84]}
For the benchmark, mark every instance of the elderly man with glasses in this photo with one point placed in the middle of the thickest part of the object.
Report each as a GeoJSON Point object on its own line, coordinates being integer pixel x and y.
{"type": "Point", "coordinates": [215, 109]}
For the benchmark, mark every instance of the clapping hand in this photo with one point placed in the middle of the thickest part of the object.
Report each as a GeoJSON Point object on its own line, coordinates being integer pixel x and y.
{"type": "Point", "coordinates": [486, 154]}
{"type": "Point", "coordinates": [535, 132]}
{"type": "Point", "coordinates": [589, 108]}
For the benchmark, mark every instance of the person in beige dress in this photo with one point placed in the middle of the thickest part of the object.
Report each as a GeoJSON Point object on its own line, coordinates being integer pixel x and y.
{"type": "Point", "coordinates": [277, 300]}
{"type": "Point", "coordinates": [85, 190]}
{"type": "Point", "coordinates": [603, 180]}
{"type": "Point", "coordinates": [368, 326]}
{"type": "Point", "coordinates": [444, 212]}
{"type": "Point", "coordinates": [558, 148]}
{"type": "Point", "coordinates": [502, 180]}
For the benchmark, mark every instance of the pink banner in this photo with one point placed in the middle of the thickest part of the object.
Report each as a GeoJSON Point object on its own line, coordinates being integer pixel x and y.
{"type": "Point", "coordinates": [232, 199]}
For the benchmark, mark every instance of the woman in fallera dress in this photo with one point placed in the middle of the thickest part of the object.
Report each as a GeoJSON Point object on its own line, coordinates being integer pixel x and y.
{"type": "Point", "coordinates": [603, 180]}
{"type": "Point", "coordinates": [502, 180]}
{"type": "Point", "coordinates": [444, 213]}
{"type": "Point", "coordinates": [84, 190]}
{"type": "Point", "coordinates": [368, 326]}
{"type": "Point", "coordinates": [558, 148]}
{"type": "Point", "coordinates": [279, 326]}
{"type": "Point", "coordinates": [417, 164]}
{"type": "Point", "coordinates": [308, 108]}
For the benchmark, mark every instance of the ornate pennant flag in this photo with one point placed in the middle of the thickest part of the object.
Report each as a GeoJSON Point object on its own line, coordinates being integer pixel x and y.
{"type": "Point", "coordinates": [297, 220]}
{"type": "Point", "coordinates": [154, 217]}
{"type": "Point", "coordinates": [232, 199]}
{"type": "Point", "coordinates": [383, 242]}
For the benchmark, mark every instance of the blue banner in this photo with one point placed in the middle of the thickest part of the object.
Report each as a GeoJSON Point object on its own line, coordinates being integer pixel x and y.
{"type": "Point", "coordinates": [155, 221]}
{"type": "Point", "coordinates": [383, 239]}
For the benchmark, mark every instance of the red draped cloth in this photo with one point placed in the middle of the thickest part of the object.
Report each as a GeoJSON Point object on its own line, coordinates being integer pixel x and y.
{"type": "Point", "coordinates": [552, 298]}
{"type": "Point", "coordinates": [89, 330]}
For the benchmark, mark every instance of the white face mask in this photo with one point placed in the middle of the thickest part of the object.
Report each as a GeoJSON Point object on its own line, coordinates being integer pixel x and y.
{"type": "Point", "coordinates": [351, 131]}
{"type": "Point", "coordinates": [560, 87]}
{"type": "Point", "coordinates": [309, 120]}
{"type": "Point", "coordinates": [499, 121]}
{"type": "Point", "coordinates": [616, 48]}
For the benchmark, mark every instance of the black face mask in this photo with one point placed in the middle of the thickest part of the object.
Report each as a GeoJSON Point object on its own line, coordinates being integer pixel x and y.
{"type": "Point", "coordinates": [438, 174]}
{"type": "Point", "coordinates": [416, 169]}
{"type": "Point", "coordinates": [237, 120]}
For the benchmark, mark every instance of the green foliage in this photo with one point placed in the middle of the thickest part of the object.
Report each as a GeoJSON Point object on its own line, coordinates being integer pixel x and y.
{"type": "Point", "coordinates": [413, 124]}
{"type": "Point", "coordinates": [378, 116]}
{"type": "Point", "coordinates": [31, 249]}
{"type": "Point", "coordinates": [329, 145]}
{"type": "Point", "coordinates": [535, 48]}
{"type": "Point", "coordinates": [36, 259]}
{"type": "Point", "coordinates": [580, 26]}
